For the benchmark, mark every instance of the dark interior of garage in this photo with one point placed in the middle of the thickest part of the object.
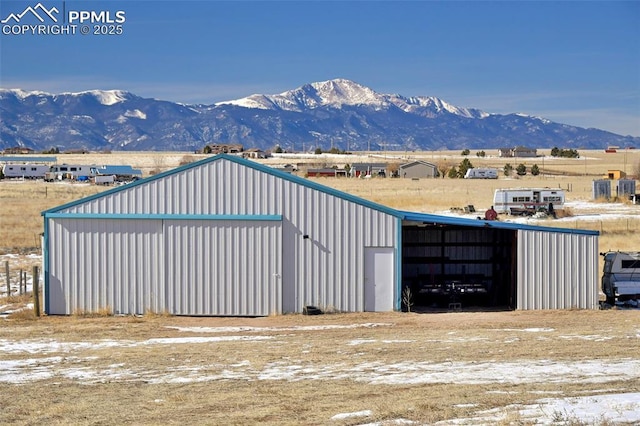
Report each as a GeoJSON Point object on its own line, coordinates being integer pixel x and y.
{"type": "Point", "coordinates": [452, 267]}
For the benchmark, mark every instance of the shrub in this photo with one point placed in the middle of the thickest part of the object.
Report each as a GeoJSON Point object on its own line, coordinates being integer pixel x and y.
{"type": "Point", "coordinates": [535, 170]}
{"type": "Point", "coordinates": [508, 169]}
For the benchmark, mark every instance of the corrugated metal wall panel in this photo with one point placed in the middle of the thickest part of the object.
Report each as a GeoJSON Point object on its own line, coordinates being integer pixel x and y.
{"type": "Point", "coordinates": [327, 268]}
{"type": "Point", "coordinates": [557, 270]}
{"type": "Point", "coordinates": [110, 265]}
{"type": "Point", "coordinates": [223, 267]}
{"type": "Point", "coordinates": [220, 187]}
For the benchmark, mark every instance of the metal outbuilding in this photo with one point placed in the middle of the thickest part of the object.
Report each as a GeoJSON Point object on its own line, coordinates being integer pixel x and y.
{"type": "Point", "coordinates": [418, 169]}
{"type": "Point", "coordinates": [229, 236]}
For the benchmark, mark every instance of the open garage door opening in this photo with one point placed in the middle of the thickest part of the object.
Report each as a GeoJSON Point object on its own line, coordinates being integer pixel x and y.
{"type": "Point", "coordinates": [452, 267]}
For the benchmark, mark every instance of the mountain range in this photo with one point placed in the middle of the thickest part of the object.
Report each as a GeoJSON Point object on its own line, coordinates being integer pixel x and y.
{"type": "Point", "coordinates": [337, 113]}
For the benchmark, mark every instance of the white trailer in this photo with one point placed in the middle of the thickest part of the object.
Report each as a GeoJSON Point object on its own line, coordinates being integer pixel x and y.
{"type": "Point", "coordinates": [73, 171]}
{"type": "Point", "coordinates": [621, 277]}
{"type": "Point", "coordinates": [26, 171]}
{"type": "Point", "coordinates": [481, 173]}
{"type": "Point", "coordinates": [104, 179]}
{"type": "Point", "coordinates": [527, 201]}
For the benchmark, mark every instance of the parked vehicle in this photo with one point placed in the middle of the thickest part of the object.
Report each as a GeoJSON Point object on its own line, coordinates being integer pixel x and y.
{"type": "Point", "coordinates": [25, 171]}
{"type": "Point", "coordinates": [480, 173]}
{"type": "Point", "coordinates": [104, 180]}
{"type": "Point", "coordinates": [73, 171]}
{"type": "Point", "coordinates": [621, 276]}
{"type": "Point", "coordinates": [528, 201]}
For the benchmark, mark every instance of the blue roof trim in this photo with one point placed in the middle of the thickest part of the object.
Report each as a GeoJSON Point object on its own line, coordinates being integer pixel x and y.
{"type": "Point", "coordinates": [448, 220]}
{"type": "Point", "coordinates": [419, 217]}
{"type": "Point", "coordinates": [118, 170]}
{"type": "Point", "coordinates": [244, 162]}
{"type": "Point", "coordinates": [257, 217]}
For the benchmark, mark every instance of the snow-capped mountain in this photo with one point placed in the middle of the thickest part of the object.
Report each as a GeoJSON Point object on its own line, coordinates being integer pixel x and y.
{"type": "Point", "coordinates": [336, 113]}
{"type": "Point", "coordinates": [340, 92]}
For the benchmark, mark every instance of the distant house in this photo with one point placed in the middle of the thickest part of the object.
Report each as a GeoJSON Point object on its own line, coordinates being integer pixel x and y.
{"type": "Point", "coordinates": [18, 150]}
{"type": "Point", "coordinates": [225, 148]}
{"type": "Point", "coordinates": [368, 169]}
{"type": "Point", "coordinates": [254, 153]}
{"type": "Point", "coordinates": [418, 169]}
{"type": "Point", "coordinates": [518, 151]}
{"type": "Point", "coordinates": [326, 172]}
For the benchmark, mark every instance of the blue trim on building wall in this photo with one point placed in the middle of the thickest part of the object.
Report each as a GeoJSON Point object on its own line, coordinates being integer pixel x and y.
{"type": "Point", "coordinates": [398, 304]}
{"type": "Point", "coordinates": [45, 265]}
{"type": "Point", "coordinates": [448, 220]}
{"type": "Point", "coordinates": [255, 217]}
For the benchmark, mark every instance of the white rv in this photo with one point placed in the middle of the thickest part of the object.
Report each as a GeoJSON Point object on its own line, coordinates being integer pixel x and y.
{"type": "Point", "coordinates": [26, 171]}
{"type": "Point", "coordinates": [621, 276]}
{"type": "Point", "coordinates": [527, 201]}
{"type": "Point", "coordinates": [72, 171]}
{"type": "Point", "coordinates": [479, 173]}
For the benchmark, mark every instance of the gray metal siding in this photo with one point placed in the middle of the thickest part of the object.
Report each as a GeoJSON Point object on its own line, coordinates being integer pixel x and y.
{"type": "Point", "coordinates": [223, 267]}
{"type": "Point", "coordinates": [327, 268]}
{"type": "Point", "coordinates": [557, 270]}
{"type": "Point", "coordinates": [206, 273]}
{"type": "Point", "coordinates": [121, 266]}
{"type": "Point", "coordinates": [220, 187]}
{"type": "Point", "coordinates": [113, 265]}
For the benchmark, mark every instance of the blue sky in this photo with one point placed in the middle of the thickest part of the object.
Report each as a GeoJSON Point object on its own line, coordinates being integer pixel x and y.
{"type": "Point", "coordinates": [572, 62]}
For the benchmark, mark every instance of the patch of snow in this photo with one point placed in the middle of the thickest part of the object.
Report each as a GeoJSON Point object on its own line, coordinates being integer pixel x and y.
{"type": "Point", "coordinates": [136, 113]}
{"type": "Point", "coordinates": [264, 329]}
{"type": "Point", "coordinates": [391, 422]}
{"type": "Point", "coordinates": [364, 341]}
{"type": "Point", "coordinates": [621, 408]}
{"type": "Point", "coordinates": [105, 97]}
{"type": "Point", "coordinates": [54, 346]}
{"type": "Point", "coordinates": [342, 416]}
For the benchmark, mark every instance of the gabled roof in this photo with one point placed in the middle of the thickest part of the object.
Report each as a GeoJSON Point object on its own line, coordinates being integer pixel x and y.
{"type": "Point", "coordinates": [368, 165]}
{"type": "Point", "coordinates": [246, 163]}
{"type": "Point", "coordinates": [403, 215]}
{"type": "Point", "coordinates": [413, 163]}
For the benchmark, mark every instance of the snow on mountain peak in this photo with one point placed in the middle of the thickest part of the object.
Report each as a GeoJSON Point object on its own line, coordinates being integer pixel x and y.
{"type": "Point", "coordinates": [22, 94]}
{"type": "Point", "coordinates": [334, 93]}
{"type": "Point", "coordinates": [105, 97]}
{"type": "Point", "coordinates": [345, 92]}
{"type": "Point", "coordinates": [340, 92]}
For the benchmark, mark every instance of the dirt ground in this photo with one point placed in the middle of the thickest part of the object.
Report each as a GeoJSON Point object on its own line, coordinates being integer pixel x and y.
{"type": "Point", "coordinates": [296, 369]}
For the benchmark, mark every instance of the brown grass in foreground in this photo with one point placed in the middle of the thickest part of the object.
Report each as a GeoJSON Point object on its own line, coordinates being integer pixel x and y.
{"type": "Point", "coordinates": [493, 337]}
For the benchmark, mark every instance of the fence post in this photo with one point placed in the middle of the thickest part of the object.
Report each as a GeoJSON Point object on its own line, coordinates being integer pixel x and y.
{"type": "Point", "coordinates": [6, 267]}
{"type": "Point", "coordinates": [20, 286]}
{"type": "Point", "coordinates": [36, 292]}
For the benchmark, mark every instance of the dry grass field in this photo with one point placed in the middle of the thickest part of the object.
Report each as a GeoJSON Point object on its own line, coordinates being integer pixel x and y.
{"type": "Point", "coordinates": [507, 368]}
{"type": "Point", "coordinates": [500, 368]}
{"type": "Point", "coordinates": [22, 201]}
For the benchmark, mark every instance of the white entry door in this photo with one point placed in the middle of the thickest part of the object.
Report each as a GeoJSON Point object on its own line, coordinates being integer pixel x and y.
{"type": "Point", "coordinates": [378, 279]}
